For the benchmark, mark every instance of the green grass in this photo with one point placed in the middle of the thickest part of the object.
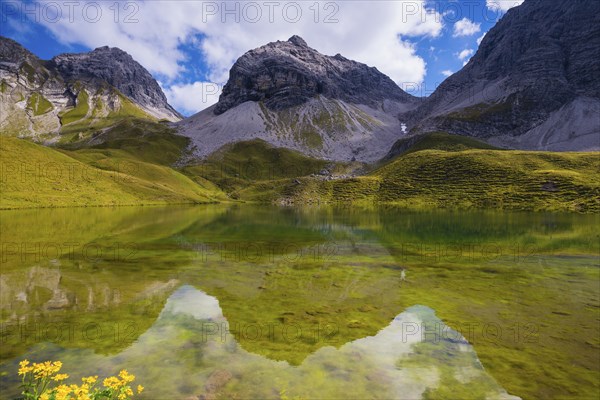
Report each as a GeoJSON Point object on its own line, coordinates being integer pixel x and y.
{"type": "Point", "coordinates": [99, 117]}
{"type": "Point", "coordinates": [38, 104]}
{"type": "Point", "coordinates": [78, 112]}
{"type": "Point", "coordinates": [436, 170]}
{"type": "Point", "coordinates": [239, 165]}
{"type": "Point", "coordinates": [488, 111]}
{"type": "Point", "coordinates": [137, 138]}
{"type": "Point", "coordinates": [53, 178]}
{"type": "Point", "coordinates": [29, 72]}
{"type": "Point", "coordinates": [494, 179]}
{"type": "Point", "coordinates": [437, 141]}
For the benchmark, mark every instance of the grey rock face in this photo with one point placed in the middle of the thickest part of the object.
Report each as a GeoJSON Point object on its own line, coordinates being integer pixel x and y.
{"type": "Point", "coordinates": [12, 54]}
{"type": "Point", "coordinates": [36, 94]}
{"type": "Point", "coordinates": [287, 74]}
{"type": "Point", "coordinates": [539, 60]}
{"type": "Point", "coordinates": [292, 96]}
{"type": "Point", "coordinates": [117, 68]}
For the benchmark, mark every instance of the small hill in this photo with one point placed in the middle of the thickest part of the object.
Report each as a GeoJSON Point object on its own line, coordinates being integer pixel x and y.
{"type": "Point", "coordinates": [435, 141]}
{"type": "Point", "coordinates": [516, 180]}
{"type": "Point", "coordinates": [92, 177]}
{"type": "Point", "coordinates": [240, 164]}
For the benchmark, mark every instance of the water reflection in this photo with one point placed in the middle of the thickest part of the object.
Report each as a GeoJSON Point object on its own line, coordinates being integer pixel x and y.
{"type": "Point", "coordinates": [189, 351]}
{"type": "Point", "coordinates": [253, 301]}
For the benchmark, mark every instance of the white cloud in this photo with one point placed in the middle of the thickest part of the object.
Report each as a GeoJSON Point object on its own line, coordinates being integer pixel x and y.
{"type": "Point", "coordinates": [447, 72]}
{"type": "Point", "coordinates": [502, 5]}
{"type": "Point", "coordinates": [465, 54]}
{"type": "Point", "coordinates": [466, 27]}
{"type": "Point", "coordinates": [193, 97]}
{"type": "Point", "coordinates": [162, 27]}
{"type": "Point", "coordinates": [480, 39]}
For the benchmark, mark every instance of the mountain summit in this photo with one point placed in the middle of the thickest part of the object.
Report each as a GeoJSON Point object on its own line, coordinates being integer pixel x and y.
{"type": "Point", "coordinates": [290, 95]}
{"type": "Point", "coordinates": [533, 84]}
{"type": "Point", "coordinates": [286, 74]}
{"type": "Point", "coordinates": [117, 68]}
{"type": "Point", "coordinates": [74, 92]}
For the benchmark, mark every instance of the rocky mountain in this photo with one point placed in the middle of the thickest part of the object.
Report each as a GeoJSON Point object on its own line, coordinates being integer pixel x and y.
{"type": "Point", "coordinates": [74, 92]}
{"type": "Point", "coordinates": [533, 84]}
{"type": "Point", "coordinates": [290, 95]}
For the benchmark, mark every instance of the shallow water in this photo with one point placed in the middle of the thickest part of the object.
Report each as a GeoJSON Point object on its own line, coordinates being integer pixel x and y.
{"type": "Point", "coordinates": [264, 302]}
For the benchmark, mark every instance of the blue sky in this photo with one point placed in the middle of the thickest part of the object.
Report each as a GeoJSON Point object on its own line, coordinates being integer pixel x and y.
{"type": "Point", "coordinates": [190, 45]}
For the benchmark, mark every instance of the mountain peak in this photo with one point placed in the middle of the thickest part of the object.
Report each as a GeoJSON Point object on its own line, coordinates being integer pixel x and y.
{"type": "Point", "coordinates": [110, 50]}
{"type": "Point", "coordinates": [13, 52]}
{"type": "Point", "coordinates": [298, 41]}
{"type": "Point", "coordinates": [532, 84]}
{"type": "Point", "coordinates": [119, 69]}
{"type": "Point", "coordinates": [290, 73]}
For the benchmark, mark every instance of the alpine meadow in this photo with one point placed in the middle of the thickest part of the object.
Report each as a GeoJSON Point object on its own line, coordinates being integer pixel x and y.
{"type": "Point", "coordinates": [300, 200]}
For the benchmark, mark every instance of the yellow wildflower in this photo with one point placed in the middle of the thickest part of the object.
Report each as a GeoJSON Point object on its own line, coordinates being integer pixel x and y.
{"type": "Point", "coordinates": [126, 376]}
{"type": "Point", "coordinates": [60, 377]}
{"type": "Point", "coordinates": [83, 396]}
{"type": "Point", "coordinates": [63, 391]}
{"type": "Point", "coordinates": [90, 380]}
{"type": "Point", "coordinates": [129, 392]}
{"type": "Point", "coordinates": [122, 396]}
{"type": "Point", "coordinates": [45, 396]}
{"type": "Point", "coordinates": [24, 367]}
{"type": "Point", "coordinates": [46, 369]}
{"type": "Point", "coordinates": [112, 382]}
{"type": "Point", "coordinates": [140, 389]}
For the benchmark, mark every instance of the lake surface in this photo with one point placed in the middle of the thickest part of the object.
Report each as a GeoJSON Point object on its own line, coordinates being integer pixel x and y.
{"type": "Point", "coordinates": [264, 302]}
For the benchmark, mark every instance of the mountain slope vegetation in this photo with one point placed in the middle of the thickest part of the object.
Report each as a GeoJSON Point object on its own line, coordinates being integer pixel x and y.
{"type": "Point", "coordinates": [37, 176]}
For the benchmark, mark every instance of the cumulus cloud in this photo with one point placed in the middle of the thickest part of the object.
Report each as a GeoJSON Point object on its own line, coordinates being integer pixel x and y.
{"type": "Point", "coordinates": [164, 35]}
{"type": "Point", "coordinates": [480, 39]}
{"type": "Point", "coordinates": [465, 54]}
{"type": "Point", "coordinates": [193, 97]}
{"type": "Point", "coordinates": [502, 5]}
{"type": "Point", "coordinates": [447, 73]}
{"type": "Point", "coordinates": [466, 27]}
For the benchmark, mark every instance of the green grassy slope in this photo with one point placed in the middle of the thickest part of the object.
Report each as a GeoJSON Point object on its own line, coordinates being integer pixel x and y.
{"type": "Point", "coordinates": [38, 176]}
{"type": "Point", "coordinates": [92, 116]}
{"type": "Point", "coordinates": [135, 138]}
{"type": "Point", "coordinates": [435, 141]}
{"type": "Point", "coordinates": [464, 179]}
{"type": "Point", "coordinates": [241, 164]}
{"type": "Point", "coordinates": [137, 161]}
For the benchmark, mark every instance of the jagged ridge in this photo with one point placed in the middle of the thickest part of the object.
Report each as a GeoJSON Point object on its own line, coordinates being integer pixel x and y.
{"type": "Point", "coordinates": [292, 96]}
{"type": "Point", "coordinates": [287, 74]}
{"type": "Point", "coordinates": [533, 84]}
{"type": "Point", "coordinates": [73, 92]}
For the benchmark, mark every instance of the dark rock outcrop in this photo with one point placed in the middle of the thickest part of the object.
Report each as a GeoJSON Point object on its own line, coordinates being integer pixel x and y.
{"type": "Point", "coordinates": [538, 66]}
{"type": "Point", "coordinates": [117, 68]}
{"type": "Point", "coordinates": [292, 96]}
{"type": "Point", "coordinates": [36, 94]}
{"type": "Point", "coordinates": [287, 74]}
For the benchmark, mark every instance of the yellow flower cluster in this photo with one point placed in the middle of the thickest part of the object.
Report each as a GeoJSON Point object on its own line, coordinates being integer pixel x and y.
{"type": "Point", "coordinates": [42, 373]}
{"type": "Point", "coordinates": [42, 370]}
{"type": "Point", "coordinates": [46, 369]}
{"type": "Point", "coordinates": [24, 367]}
{"type": "Point", "coordinates": [90, 380]}
{"type": "Point", "coordinates": [115, 383]}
